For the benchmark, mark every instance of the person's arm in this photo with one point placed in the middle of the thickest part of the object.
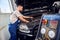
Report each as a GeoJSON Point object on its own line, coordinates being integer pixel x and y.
{"type": "Point", "coordinates": [22, 17]}
{"type": "Point", "coordinates": [27, 17]}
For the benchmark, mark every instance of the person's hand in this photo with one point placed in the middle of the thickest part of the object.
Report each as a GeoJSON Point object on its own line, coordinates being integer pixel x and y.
{"type": "Point", "coordinates": [27, 22]}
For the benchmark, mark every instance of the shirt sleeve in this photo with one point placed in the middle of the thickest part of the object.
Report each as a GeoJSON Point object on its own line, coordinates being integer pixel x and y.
{"type": "Point", "coordinates": [18, 14]}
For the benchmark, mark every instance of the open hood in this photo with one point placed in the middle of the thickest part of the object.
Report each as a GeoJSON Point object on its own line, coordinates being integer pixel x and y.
{"type": "Point", "coordinates": [35, 6]}
{"type": "Point", "coordinates": [35, 3]}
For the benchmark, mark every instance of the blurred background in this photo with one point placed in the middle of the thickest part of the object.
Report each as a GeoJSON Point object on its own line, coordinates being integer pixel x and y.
{"type": "Point", "coordinates": [5, 11]}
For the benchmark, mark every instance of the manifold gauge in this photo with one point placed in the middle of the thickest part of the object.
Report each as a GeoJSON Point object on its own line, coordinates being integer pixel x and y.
{"type": "Point", "coordinates": [43, 30]}
{"type": "Point", "coordinates": [51, 34]}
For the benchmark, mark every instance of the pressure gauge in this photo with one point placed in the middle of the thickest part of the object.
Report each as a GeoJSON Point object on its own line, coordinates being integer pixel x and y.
{"type": "Point", "coordinates": [43, 30]}
{"type": "Point", "coordinates": [51, 34]}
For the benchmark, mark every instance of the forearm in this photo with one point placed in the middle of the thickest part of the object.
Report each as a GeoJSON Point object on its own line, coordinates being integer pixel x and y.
{"type": "Point", "coordinates": [27, 17]}
{"type": "Point", "coordinates": [23, 19]}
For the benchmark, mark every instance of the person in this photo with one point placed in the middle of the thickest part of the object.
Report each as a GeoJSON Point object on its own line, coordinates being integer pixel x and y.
{"type": "Point", "coordinates": [15, 19]}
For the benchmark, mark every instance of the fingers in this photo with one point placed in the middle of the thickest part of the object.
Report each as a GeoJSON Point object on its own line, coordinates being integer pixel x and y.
{"type": "Point", "coordinates": [31, 17]}
{"type": "Point", "coordinates": [27, 21]}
